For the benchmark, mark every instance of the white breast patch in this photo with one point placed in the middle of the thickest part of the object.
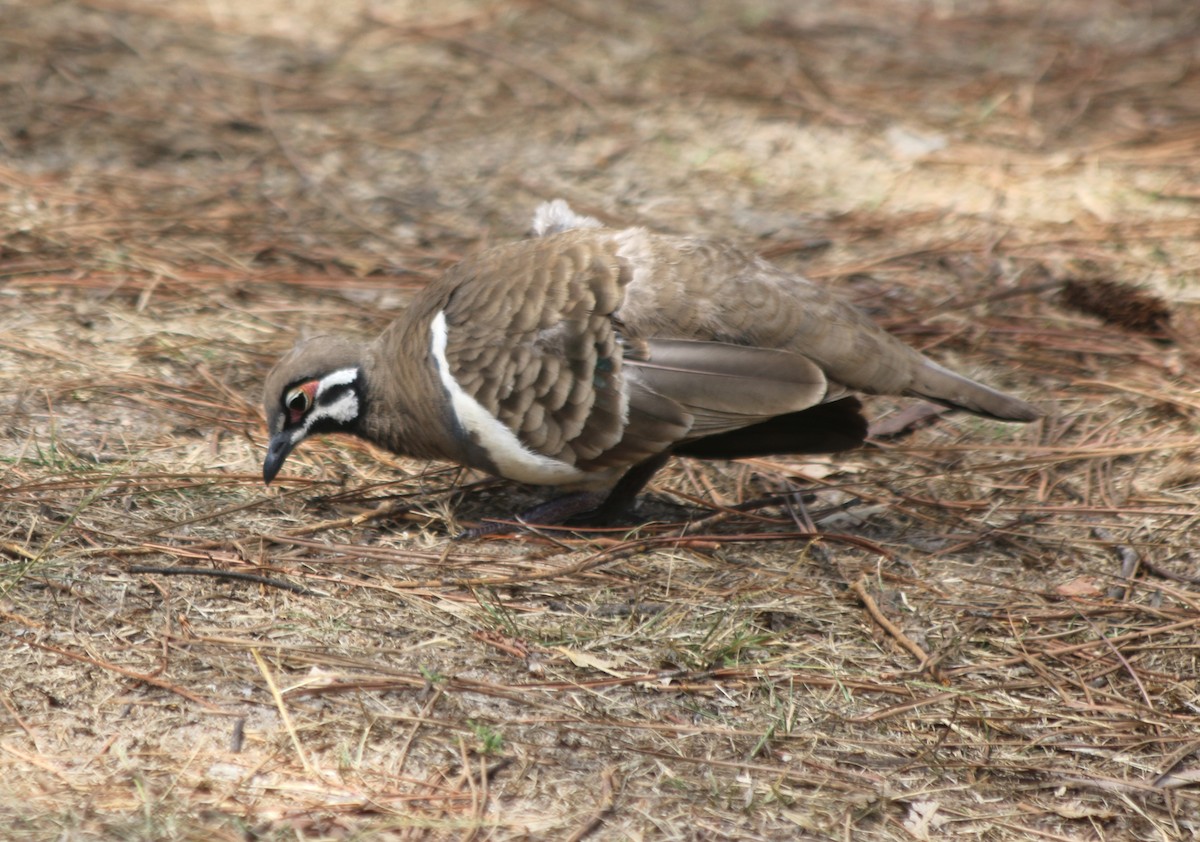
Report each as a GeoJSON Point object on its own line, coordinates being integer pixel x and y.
{"type": "Point", "coordinates": [512, 459]}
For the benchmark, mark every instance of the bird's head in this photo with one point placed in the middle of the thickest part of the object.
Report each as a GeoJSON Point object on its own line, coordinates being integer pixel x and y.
{"type": "Point", "coordinates": [317, 387]}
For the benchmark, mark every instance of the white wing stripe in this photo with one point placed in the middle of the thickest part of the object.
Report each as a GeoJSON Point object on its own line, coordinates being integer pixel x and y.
{"type": "Point", "coordinates": [511, 458]}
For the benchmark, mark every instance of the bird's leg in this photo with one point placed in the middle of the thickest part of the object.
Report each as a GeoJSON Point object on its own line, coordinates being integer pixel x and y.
{"type": "Point", "coordinates": [550, 513]}
{"type": "Point", "coordinates": [596, 507]}
{"type": "Point", "coordinates": [624, 494]}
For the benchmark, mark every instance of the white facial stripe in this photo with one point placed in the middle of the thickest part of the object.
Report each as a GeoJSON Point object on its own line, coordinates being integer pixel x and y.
{"type": "Point", "coordinates": [341, 377]}
{"type": "Point", "coordinates": [343, 410]}
{"type": "Point", "coordinates": [511, 458]}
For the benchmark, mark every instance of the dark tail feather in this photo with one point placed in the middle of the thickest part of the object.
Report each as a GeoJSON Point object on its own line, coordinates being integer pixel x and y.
{"type": "Point", "coordinates": [824, 428]}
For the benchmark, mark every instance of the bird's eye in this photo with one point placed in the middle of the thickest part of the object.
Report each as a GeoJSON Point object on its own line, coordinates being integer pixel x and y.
{"type": "Point", "coordinates": [297, 402]}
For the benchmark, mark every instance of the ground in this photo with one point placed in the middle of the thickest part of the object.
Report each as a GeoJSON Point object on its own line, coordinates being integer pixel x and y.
{"type": "Point", "coordinates": [965, 630]}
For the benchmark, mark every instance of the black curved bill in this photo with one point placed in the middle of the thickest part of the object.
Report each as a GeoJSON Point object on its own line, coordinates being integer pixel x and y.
{"type": "Point", "coordinates": [277, 451]}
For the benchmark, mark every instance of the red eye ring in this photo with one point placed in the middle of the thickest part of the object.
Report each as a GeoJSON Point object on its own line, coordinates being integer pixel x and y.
{"type": "Point", "coordinates": [300, 400]}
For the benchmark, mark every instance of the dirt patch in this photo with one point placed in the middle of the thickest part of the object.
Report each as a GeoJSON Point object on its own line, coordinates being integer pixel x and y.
{"type": "Point", "coordinates": [995, 632]}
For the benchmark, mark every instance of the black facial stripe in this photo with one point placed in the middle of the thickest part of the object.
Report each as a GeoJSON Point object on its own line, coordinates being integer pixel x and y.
{"type": "Point", "coordinates": [333, 393]}
{"type": "Point", "coordinates": [329, 398]}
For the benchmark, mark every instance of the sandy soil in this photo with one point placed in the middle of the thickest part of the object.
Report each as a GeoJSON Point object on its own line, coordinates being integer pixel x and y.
{"type": "Point", "coordinates": [993, 634]}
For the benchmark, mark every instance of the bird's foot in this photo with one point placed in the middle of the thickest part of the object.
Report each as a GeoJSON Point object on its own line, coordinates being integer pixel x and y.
{"type": "Point", "coordinates": [550, 513]}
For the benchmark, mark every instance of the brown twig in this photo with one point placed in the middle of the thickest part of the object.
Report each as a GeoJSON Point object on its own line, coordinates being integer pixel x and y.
{"type": "Point", "coordinates": [235, 575]}
{"type": "Point", "coordinates": [860, 589]}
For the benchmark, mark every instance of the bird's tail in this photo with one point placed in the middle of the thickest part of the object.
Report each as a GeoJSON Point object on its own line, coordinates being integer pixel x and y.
{"type": "Point", "coordinates": [935, 383]}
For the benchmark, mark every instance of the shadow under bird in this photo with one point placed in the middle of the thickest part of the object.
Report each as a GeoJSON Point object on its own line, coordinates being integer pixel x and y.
{"type": "Point", "coordinates": [586, 356]}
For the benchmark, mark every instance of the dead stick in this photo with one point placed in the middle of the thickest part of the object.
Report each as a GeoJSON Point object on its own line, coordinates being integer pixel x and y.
{"type": "Point", "coordinates": [224, 574]}
{"type": "Point", "coordinates": [887, 625]}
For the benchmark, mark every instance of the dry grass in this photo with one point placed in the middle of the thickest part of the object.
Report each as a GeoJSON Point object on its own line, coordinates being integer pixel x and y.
{"type": "Point", "coordinates": [968, 630]}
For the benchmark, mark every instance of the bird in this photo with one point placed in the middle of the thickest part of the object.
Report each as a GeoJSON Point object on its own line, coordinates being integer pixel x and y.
{"type": "Point", "coordinates": [585, 356]}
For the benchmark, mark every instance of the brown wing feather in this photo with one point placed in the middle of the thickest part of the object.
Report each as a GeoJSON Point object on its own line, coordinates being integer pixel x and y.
{"type": "Point", "coordinates": [532, 338]}
{"type": "Point", "coordinates": [698, 289]}
{"type": "Point", "coordinates": [556, 337]}
{"type": "Point", "coordinates": [725, 386]}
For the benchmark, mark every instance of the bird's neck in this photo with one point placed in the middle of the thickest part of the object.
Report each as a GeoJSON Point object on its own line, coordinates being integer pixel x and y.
{"type": "Point", "coordinates": [407, 412]}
